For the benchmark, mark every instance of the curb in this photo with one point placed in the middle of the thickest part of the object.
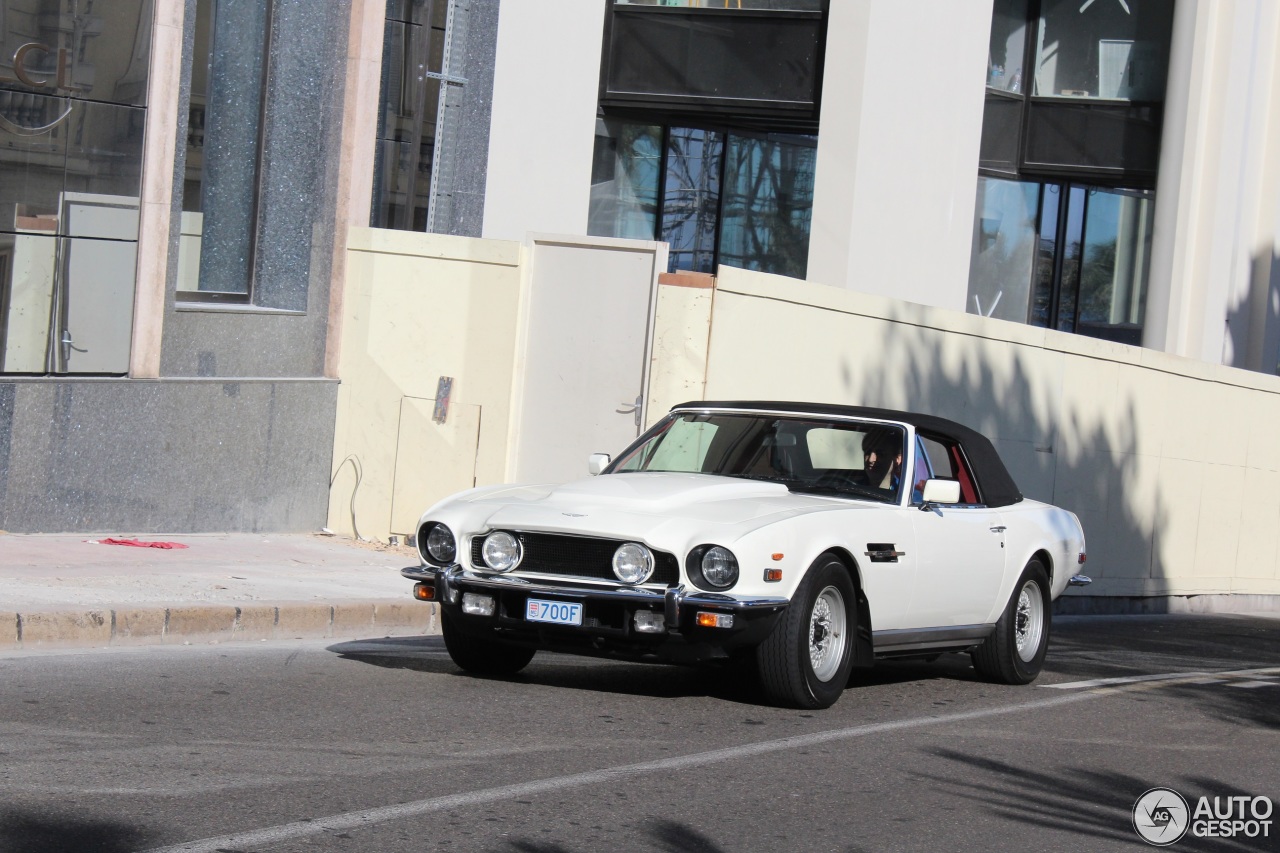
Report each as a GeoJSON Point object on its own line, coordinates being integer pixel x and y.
{"type": "Point", "coordinates": [217, 623]}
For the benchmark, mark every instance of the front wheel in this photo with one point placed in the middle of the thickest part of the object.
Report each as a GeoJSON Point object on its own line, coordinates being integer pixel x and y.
{"type": "Point", "coordinates": [805, 661]}
{"type": "Point", "coordinates": [480, 655]}
{"type": "Point", "coordinates": [1014, 653]}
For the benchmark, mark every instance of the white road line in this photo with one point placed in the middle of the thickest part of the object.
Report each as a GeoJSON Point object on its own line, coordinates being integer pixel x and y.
{"type": "Point", "coordinates": [1193, 677]}
{"type": "Point", "coordinates": [1252, 684]}
{"type": "Point", "coordinates": [369, 817]}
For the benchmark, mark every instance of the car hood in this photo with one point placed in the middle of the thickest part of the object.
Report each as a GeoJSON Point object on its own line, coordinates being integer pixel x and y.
{"type": "Point", "coordinates": [636, 504]}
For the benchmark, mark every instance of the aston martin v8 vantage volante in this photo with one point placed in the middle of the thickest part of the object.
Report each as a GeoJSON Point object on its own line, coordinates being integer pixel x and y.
{"type": "Point", "coordinates": [799, 540]}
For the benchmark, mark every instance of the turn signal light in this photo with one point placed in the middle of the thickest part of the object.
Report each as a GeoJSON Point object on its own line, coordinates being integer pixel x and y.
{"type": "Point", "coordinates": [424, 592]}
{"type": "Point", "coordinates": [1083, 557]}
{"type": "Point", "coordinates": [777, 557]}
{"type": "Point", "coordinates": [715, 620]}
{"type": "Point", "coordinates": [772, 575]}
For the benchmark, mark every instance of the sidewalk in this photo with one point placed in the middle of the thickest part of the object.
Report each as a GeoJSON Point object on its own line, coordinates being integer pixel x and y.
{"type": "Point", "coordinates": [72, 591]}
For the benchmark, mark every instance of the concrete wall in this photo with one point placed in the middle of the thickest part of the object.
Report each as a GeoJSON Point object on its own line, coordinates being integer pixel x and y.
{"type": "Point", "coordinates": [418, 307]}
{"type": "Point", "coordinates": [545, 86]}
{"type": "Point", "coordinates": [1171, 464]}
{"type": "Point", "coordinates": [902, 101]}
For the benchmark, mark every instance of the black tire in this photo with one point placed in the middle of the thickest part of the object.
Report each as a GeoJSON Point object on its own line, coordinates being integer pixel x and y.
{"type": "Point", "coordinates": [784, 664]}
{"type": "Point", "coordinates": [482, 656]}
{"type": "Point", "coordinates": [999, 658]}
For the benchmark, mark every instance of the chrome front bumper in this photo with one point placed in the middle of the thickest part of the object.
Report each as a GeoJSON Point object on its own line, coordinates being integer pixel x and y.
{"type": "Point", "coordinates": [447, 582]}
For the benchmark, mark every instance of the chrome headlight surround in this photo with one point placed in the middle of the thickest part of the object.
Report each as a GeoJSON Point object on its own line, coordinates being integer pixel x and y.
{"type": "Point", "coordinates": [436, 544]}
{"type": "Point", "coordinates": [501, 551]}
{"type": "Point", "coordinates": [633, 563]}
{"type": "Point", "coordinates": [712, 567]}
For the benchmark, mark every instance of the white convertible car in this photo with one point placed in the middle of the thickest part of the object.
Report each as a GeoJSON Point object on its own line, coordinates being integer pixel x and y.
{"type": "Point", "coordinates": [801, 539]}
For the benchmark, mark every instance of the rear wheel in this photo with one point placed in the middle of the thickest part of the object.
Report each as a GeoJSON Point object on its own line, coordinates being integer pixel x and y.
{"type": "Point", "coordinates": [805, 661]}
{"type": "Point", "coordinates": [480, 655]}
{"type": "Point", "coordinates": [1014, 653]}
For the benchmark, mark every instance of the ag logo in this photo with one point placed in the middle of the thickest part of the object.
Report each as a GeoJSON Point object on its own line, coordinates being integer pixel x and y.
{"type": "Point", "coordinates": [1161, 816]}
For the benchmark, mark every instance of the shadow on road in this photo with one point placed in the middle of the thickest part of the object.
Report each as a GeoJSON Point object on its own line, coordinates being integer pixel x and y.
{"type": "Point", "coordinates": [1093, 804]}
{"type": "Point", "coordinates": [31, 832]}
{"type": "Point", "coordinates": [731, 682]}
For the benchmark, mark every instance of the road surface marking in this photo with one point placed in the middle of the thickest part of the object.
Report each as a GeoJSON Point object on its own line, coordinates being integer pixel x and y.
{"type": "Point", "coordinates": [1192, 677]}
{"type": "Point", "coordinates": [370, 817]}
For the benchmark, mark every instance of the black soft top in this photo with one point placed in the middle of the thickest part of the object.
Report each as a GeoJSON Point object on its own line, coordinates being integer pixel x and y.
{"type": "Point", "coordinates": [995, 485]}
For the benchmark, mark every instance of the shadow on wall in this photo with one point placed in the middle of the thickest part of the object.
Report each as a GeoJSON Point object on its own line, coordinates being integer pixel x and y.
{"type": "Point", "coordinates": [29, 832]}
{"type": "Point", "coordinates": [1252, 335]}
{"type": "Point", "coordinates": [1054, 454]}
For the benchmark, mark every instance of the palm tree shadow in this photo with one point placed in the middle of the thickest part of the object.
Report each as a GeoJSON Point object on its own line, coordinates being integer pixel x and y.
{"type": "Point", "coordinates": [1089, 803]}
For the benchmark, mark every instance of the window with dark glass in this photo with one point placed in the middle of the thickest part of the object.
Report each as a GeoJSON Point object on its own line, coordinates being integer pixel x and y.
{"type": "Point", "coordinates": [420, 91]}
{"type": "Point", "coordinates": [716, 196]}
{"type": "Point", "coordinates": [1069, 155]}
{"type": "Point", "coordinates": [73, 79]}
{"type": "Point", "coordinates": [217, 247]}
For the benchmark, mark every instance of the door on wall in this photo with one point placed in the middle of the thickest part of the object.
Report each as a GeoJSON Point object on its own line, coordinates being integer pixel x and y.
{"type": "Point", "coordinates": [582, 357]}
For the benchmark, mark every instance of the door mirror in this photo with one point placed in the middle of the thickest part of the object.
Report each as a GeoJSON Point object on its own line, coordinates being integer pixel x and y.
{"type": "Point", "coordinates": [597, 462]}
{"type": "Point", "coordinates": [941, 492]}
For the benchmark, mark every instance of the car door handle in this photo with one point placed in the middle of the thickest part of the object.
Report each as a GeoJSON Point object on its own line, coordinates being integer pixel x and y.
{"type": "Point", "coordinates": [999, 528]}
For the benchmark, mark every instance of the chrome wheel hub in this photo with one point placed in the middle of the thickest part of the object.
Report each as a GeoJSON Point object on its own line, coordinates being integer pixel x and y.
{"type": "Point", "coordinates": [827, 625]}
{"type": "Point", "coordinates": [1029, 621]}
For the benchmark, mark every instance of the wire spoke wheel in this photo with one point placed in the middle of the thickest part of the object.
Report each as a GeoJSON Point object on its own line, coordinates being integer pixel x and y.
{"type": "Point", "coordinates": [827, 626]}
{"type": "Point", "coordinates": [1029, 620]}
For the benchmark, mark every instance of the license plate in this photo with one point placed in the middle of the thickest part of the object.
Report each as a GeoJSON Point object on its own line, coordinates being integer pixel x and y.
{"type": "Point", "coordinates": [555, 612]}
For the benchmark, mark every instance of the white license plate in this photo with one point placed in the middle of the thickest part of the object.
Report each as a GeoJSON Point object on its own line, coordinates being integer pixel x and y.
{"type": "Point", "coordinates": [555, 612]}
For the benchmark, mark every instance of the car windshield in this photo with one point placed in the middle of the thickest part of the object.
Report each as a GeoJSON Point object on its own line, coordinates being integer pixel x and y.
{"type": "Point", "coordinates": [858, 459]}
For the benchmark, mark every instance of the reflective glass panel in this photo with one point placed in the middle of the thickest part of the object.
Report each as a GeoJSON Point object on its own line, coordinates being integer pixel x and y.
{"type": "Point", "coordinates": [1008, 44]}
{"type": "Point", "coordinates": [223, 139]}
{"type": "Point", "coordinates": [1069, 288]}
{"type": "Point", "coordinates": [775, 5]}
{"type": "Point", "coordinates": [691, 198]}
{"type": "Point", "coordinates": [624, 180]}
{"type": "Point", "coordinates": [85, 49]}
{"type": "Point", "coordinates": [768, 204]}
{"type": "Point", "coordinates": [1117, 254]}
{"type": "Point", "coordinates": [401, 185]}
{"type": "Point", "coordinates": [1106, 49]}
{"type": "Point", "coordinates": [1004, 248]}
{"type": "Point", "coordinates": [1046, 255]}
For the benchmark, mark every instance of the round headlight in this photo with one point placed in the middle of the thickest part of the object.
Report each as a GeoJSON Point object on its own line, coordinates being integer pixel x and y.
{"type": "Point", "coordinates": [437, 543]}
{"type": "Point", "coordinates": [719, 567]}
{"type": "Point", "coordinates": [501, 551]}
{"type": "Point", "coordinates": [632, 563]}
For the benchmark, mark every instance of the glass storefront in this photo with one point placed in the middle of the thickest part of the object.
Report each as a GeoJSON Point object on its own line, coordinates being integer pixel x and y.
{"type": "Point", "coordinates": [73, 80]}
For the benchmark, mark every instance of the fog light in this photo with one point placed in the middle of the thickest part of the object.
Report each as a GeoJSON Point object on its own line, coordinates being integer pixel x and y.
{"type": "Point", "coordinates": [424, 592]}
{"type": "Point", "coordinates": [648, 622]}
{"type": "Point", "coordinates": [715, 620]}
{"type": "Point", "coordinates": [477, 605]}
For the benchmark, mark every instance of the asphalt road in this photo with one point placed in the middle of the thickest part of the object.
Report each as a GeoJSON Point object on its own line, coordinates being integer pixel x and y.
{"type": "Point", "coordinates": [381, 745]}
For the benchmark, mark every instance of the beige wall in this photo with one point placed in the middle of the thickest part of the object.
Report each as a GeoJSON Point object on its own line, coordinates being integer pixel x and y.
{"type": "Point", "coordinates": [1171, 464]}
{"type": "Point", "coordinates": [418, 307]}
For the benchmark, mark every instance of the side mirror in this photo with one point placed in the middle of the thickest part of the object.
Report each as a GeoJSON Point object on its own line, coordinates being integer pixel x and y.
{"type": "Point", "coordinates": [597, 462]}
{"type": "Point", "coordinates": [941, 492]}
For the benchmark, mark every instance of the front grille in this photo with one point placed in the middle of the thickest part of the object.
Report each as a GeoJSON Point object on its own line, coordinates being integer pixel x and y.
{"type": "Point", "coordinates": [577, 556]}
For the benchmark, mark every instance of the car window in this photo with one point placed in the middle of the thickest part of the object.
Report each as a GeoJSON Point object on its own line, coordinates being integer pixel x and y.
{"type": "Point", "coordinates": [682, 447]}
{"type": "Point", "coordinates": [939, 459]}
{"type": "Point", "coordinates": [923, 472]}
{"type": "Point", "coordinates": [835, 448]}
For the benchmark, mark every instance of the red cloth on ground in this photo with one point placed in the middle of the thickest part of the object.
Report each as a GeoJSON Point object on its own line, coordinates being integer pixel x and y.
{"type": "Point", "coordinates": [138, 543]}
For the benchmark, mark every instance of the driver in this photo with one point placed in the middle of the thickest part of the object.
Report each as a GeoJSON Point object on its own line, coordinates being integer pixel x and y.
{"type": "Point", "coordinates": [882, 452]}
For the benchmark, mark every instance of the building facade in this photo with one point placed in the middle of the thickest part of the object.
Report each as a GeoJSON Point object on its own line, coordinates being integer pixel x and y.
{"type": "Point", "coordinates": [178, 179]}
